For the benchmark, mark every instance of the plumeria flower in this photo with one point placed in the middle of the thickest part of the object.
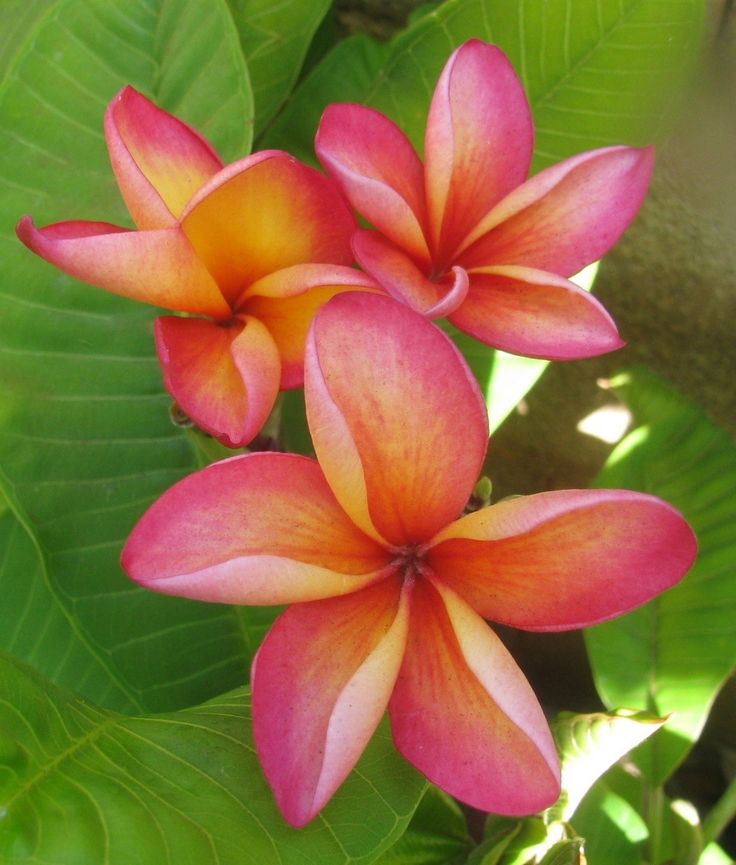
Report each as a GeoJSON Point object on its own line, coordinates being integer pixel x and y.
{"type": "Point", "coordinates": [466, 235]}
{"type": "Point", "coordinates": [390, 585]}
{"type": "Point", "coordinates": [248, 251]}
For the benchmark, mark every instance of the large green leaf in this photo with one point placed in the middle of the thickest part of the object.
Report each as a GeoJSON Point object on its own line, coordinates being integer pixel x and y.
{"type": "Point", "coordinates": [672, 655]}
{"type": "Point", "coordinates": [596, 73]}
{"type": "Point", "coordinates": [79, 785]}
{"type": "Point", "coordinates": [85, 439]}
{"type": "Point", "coordinates": [275, 38]}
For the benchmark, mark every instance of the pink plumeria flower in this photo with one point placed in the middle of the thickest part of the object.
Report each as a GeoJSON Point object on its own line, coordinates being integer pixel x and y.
{"type": "Point", "coordinates": [249, 251]}
{"type": "Point", "coordinates": [466, 235]}
{"type": "Point", "coordinates": [390, 585]}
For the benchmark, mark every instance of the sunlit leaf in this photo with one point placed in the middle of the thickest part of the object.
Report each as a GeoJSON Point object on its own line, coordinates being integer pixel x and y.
{"type": "Point", "coordinates": [275, 38]}
{"type": "Point", "coordinates": [672, 655]}
{"type": "Point", "coordinates": [613, 829]}
{"type": "Point", "coordinates": [82, 785]}
{"type": "Point", "coordinates": [590, 744]}
{"type": "Point", "coordinates": [85, 438]}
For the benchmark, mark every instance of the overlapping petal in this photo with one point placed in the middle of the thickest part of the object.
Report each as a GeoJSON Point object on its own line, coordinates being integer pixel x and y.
{"type": "Point", "coordinates": [265, 213]}
{"type": "Point", "coordinates": [286, 301]}
{"type": "Point", "coordinates": [566, 216]}
{"type": "Point", "coordinates": [224, 376]}
{"type": "Point", "coordinates": [158, 267]}
{"type": "Point", "coordinates": [256, 529]}
{"type": "Point", "coordinates": [384, 391]}
{"type": "Point", "coordinates": [535, 314]}
{"type": "Point", "coordinates": [321, 683]}
{"type": "Point", "coordinates": [159, 161]}
{"type": "Point", "coordinates": [478, 143]}
{"type": "Point", "coordinates": [566, 559]}
{"type": "Point", "coordinates": [378, 170]}
{"type": "Point", "coordinates": [463, 713]}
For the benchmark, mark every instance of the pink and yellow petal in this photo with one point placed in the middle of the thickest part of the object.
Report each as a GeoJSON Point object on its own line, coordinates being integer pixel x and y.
{"type": "Point", "coordinates": [305, 288]}
{"type": "Point", "coordinates": [379, 172]}
{"type": "Point", "coordinates": [384, 391]}
{"type": "Point", "coordinates": [478, 143]}
{"type": "Point", "coordinates": [535, 314]}
{"type": "Point", "coordinates": [567, 559]}
{"type": "Point", "coordinates": [225, 377]}
{"type": "Point", "coordinates": [266, 213]}
{"type": "Point", "coordinates": [158, 267]}
{"type": "Point", "coordinates": [463, 713]}
{"type": "Point", "coordinates": [566, 216]}
{"type": "Point", "coordinates": [159, 161]}
{"type": "Point", "coordinates": [256, 529]}
{"type": "Point", "coordinates": [321, 683]}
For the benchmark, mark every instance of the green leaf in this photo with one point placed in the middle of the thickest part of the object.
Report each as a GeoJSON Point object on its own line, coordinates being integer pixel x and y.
{"type": "Point", "coordinates": [171, 789]}
{"type": "Point", "coordinates": [275, 39]}
{"type": "Point", "coordinates": [85, 438]}
{"type": "Point", "coordinates": [672, 655]}
{"type": "Point", "coordinates": [613, 830]}
{"type": "Point", "coordinates": [590, 744]}
{"type": "Point", "coordinates": [600, 74]}
{"type": "Point", "coordinates": [436, 835]}
{"type": "Point", "coordinates": [567, 852]}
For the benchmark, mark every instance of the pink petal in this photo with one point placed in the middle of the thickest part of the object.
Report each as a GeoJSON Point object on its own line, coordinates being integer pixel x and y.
{"type": "Point", "coordinates": [159, 161]}
{"type": "Point", "coordinates": [478, 144]}
{"type": "Point", "coordinates": [286, 301]}
{"type": "Point", "coordinates": [256, 529]}
{"type": "Point", "coordinates": [225, 377]}
{"type": "Point", "coordinates": [263, 214]}
{"type": "Point", "coordinates": [397, 420]}
{"type": "Point", "coordinates": [395, 271]}
{"type": "Point", "coordinates": [567, 215]}
{"type": "Point", "coordinates": [565, 559]}
{"type": "Point", "coordinates": [157, 267]}
{"type": "Point", "coordinates": [464, 715]}
{"type": "Point", "coordinates": [535, 314]}
{"type": "Point", "coordinates": [378, 170]}
{"type": "Point", "coordinates": [321, 684]}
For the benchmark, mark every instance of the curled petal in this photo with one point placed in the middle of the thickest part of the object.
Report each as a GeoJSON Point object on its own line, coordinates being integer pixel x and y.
{"type": "Point", "coordinates": [535, 314]}
{"type": "Point", "coordinates": [158, 267]}
{"type": "Point", "coordinates": [463, 713]}
{"type": "Point", "coordinates": [289, 301]}
{"type": "Point", "coordinates": [378, 170]}
{"type": "Point", "coordinates": [321, 684]}
{"type": "Point", "coordinates": [567, 559]}
{"type": "Point", "coordinates": [225, 377]}
{"type": "Point", "coordinates": [265, 213]}
{"type": "Point", "coordinates": [395, 271]}
{"type": "Point", "coordinates": [256, 529]}
{"type": "Point", "coordinates": [397, 420]}
{"type": "Point", "coordinates": [478, 143]}
{"type": "Point", "coordinates": [566, 216]}
{"type": "Point", "coordinates": [159, 161]}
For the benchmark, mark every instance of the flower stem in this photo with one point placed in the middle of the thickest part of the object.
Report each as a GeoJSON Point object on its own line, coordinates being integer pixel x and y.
{"type": "Point", "coordinates": [720, 814]}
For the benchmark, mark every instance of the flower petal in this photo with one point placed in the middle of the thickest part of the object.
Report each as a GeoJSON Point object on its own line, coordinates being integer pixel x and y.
{"type": "Point", "coordinates": [565, 559]}
{"type": "Point", "coordinates": [289, 301]}
{"type": "Point", "coordinates": [395, 271]}
{"type": "Point", "coordinates": [397, 420]}
{"type": "Point", "coordinates": [321, 683]}
{"type": "Point", "coordinates": [159, 161]}
{"type": "Point", "coordinates": [225, 377]}
{"type": "Point", "coordinates": [478, 144]}
{"type": "Point", "coordinates": [265, 213]}
{"type": "Point", "coordinates": [256, 529]}
{"type": "Point", "coordinates": [567, 215]}
{"type": "Point", "coordinates": [378, 170]}
{"type": "Point", "coordinates": [535, 314]}
{"type": "Point", "coordinates": [157, 267]}
{"type": "Point", "coordinates": [463, 713]}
